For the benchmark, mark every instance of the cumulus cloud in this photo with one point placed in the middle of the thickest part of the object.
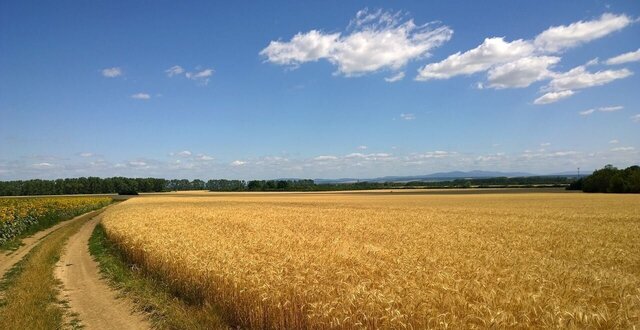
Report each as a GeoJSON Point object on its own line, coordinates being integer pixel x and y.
{"type": "Point", "coordinates": [112, 72]}
{"type": "Point", "coordinates": [396, 77]}
{"type": "Point", "coordinates": [407, 116]}
{"type": "Point", "coordinates": [579, 78]}
{"type": "Point", "coordinates": [361, 147]}
{"type": "Point", "coordinates": [141, 96]}
{"type": "Point", "coordinates": [491, 52]}
{"type": "Point", "coordinates": [184, 153]}
{"type": "Point", "coordinates": [559, 38]}
{"type": "Point", "coordinates": [519, 63]}
{"type": "Point", "coordinates": [522, 72]}
{"type": "Point", "coordinates": [552, 97]}
{"type": "Point", "coordinates": [174, 70]}
{"type": "Point", "coordinates": [624, 58]}
{"type": "Point", "coordinates": [374, 41]}
{"type": "Point", "coordinates": [614, 141]}
{"type": "Point", "coordinates": [86, 154]}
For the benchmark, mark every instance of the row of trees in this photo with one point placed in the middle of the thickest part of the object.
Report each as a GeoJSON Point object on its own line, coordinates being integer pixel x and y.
{"type": "Point", "coordinates": [90, 185]}
{"type": "Point", "coordinates": [610, 180]}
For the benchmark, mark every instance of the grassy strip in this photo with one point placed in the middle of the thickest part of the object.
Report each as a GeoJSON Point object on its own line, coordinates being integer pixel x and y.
{"type": "Point", "coordinates": [149, 293]}
{"type": "Point", "coordinates": [30, 289]}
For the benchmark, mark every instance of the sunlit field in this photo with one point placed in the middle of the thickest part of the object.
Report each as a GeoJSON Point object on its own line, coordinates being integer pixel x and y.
{"type": "Point", "coordinates": [393, 260]}
{"type": "Point", "coordinates": [18, 215]}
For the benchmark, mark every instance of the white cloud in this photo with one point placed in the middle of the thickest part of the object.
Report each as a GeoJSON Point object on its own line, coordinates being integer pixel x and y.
{"type": "Point", "coordinates": [174, 70]}
{"type": "Point", "coordinates": [184, 153]}
{"type": "Point", "coordinates": [558, 38]}
{"type": "Point", "coordinates": [376, 41]}
{"type": "Point", "coordinates": [614, 141]}
{"type": "Point", "coordinates": [636, 118]}
{"type": "Point", "coordinates": [552, 97]}
{"type": "Point", "coordinates": [202, 75]}
{"type": "Point", "coordinates": [579, 77]}
{"type": "Point", "coordinates": [545, 144]}
{"type": "Point", "coordinates": [601, 109]}
{"type": "Point", "coordinates": [141, 96]}
{"type": "Point", "coordinates": [587, 112]}
{"type": "Point", "coordinates": [204, 157]}
{"type": "Point", "coordinates": [361, 147]}
{"type": "Point", "coordinates": [238, 163]}
{"type": "Point", "coordinates": [325, 158]}
{"type": "Point", "coordinates": [521, 73]}
{"type": "Point", "coordinates": [86, 154]}
{"type": "Point", "coordinates": [492, 51]}
{"type": "Point", "coordinates": [623, 149]}
{"type": "Point", "coordinates": [520, 63]}
{"type": "Point", "coordinates": [407, 116]}
{"type": "Point", "coordinates": [625, 58]}
{"type": "Point", "coordinates": [396, 77]}
{"type": "Point", "coordinates": [42, 165]}
{"type": "Point", "coordinates": [432, 154]}
{"type": "Point", "coordinates": [137, 163]}
{"type": "Point", "coordinates": [611, 108]}
{"type": "Point", "coordinates": [112, 72]}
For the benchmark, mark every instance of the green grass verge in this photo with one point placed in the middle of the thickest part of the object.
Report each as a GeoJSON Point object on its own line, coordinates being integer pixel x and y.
{"type": "Point", "coordinates": [149, 293]}
{"type": "Point", "coordinates": [29, 297]}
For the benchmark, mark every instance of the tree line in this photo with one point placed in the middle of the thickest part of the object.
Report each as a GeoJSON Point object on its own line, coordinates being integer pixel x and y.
{"type": "Point", "coordinates": [607, 179]}
{"type": "Point", "coordinates": [610, 180]}
{"type": "Point", "coordinates": [122, 185]}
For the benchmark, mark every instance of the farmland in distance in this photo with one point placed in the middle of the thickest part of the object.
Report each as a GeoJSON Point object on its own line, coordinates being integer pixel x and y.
{"type": "Point", "coordinates": [393, 260]}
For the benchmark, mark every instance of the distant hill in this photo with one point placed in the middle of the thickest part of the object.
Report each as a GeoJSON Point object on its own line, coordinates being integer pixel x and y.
{"type": "Point", "coordinates": [434, 177]}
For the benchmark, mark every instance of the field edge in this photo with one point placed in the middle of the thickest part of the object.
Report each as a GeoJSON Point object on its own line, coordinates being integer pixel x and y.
{"type": "Point", "coordinates": [149, 293]}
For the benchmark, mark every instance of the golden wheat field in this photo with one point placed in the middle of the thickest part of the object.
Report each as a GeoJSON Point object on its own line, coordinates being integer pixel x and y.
{"type": "Point", "coordinates": [394, 260]}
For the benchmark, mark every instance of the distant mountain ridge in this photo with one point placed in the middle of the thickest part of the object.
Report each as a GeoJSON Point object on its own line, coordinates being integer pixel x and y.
{"type": "Point", "coordinates": [446, 176]}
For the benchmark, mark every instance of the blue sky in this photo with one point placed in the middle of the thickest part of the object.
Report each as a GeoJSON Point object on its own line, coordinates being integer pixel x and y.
{"type": "Point", "coordinates": [328, 89]}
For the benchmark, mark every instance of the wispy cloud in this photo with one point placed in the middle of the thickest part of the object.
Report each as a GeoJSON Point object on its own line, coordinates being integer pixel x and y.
{"type": "Point", "coordinates": [636, 118]}
{"type": "Point", "coordinates": [601, 109]}
{"type": "Point", "coordinates": [623, 149]}
{"type": "Point", "coordinates": [174, 70]}
{"type": "Point", "coordinates": [112, 72]}
{"type": "Point", "coordinates": [202, 75]}
{"type": "Point", "coordinates": [614, 141]}
{"type": "Point", "coordinates": [625, 58]}
{"type": "Point", "coordinates": [552, 97]}
{"type": "Point", "coordinates": [396, 77]}
{"type": "Point", "coordinates": [238, 163]}
{"type": "Point", "coordinates": [407, 116]}
{"type": "Point", "coordinates": [141, 96]}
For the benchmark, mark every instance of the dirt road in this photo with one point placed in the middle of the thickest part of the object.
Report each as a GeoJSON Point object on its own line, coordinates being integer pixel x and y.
{"type": "Point", "coordinates": [8, 259]}
{"type": "Point", "coordinates": [95, 302]}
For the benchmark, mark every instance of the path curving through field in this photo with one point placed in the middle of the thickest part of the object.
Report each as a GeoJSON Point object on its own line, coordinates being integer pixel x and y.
{"type": "Point", "coordinates": [9, 259]}
{"type": "Point", "coordinates": [96, 304]}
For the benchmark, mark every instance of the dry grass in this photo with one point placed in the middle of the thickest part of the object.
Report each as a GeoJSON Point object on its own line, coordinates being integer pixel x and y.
{"type": "Point", "coordinates": [393, 261]}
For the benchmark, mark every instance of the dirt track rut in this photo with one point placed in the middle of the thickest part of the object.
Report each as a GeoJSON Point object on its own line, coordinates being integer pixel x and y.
{"type": "Point", "coordinates": [97, 305]}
